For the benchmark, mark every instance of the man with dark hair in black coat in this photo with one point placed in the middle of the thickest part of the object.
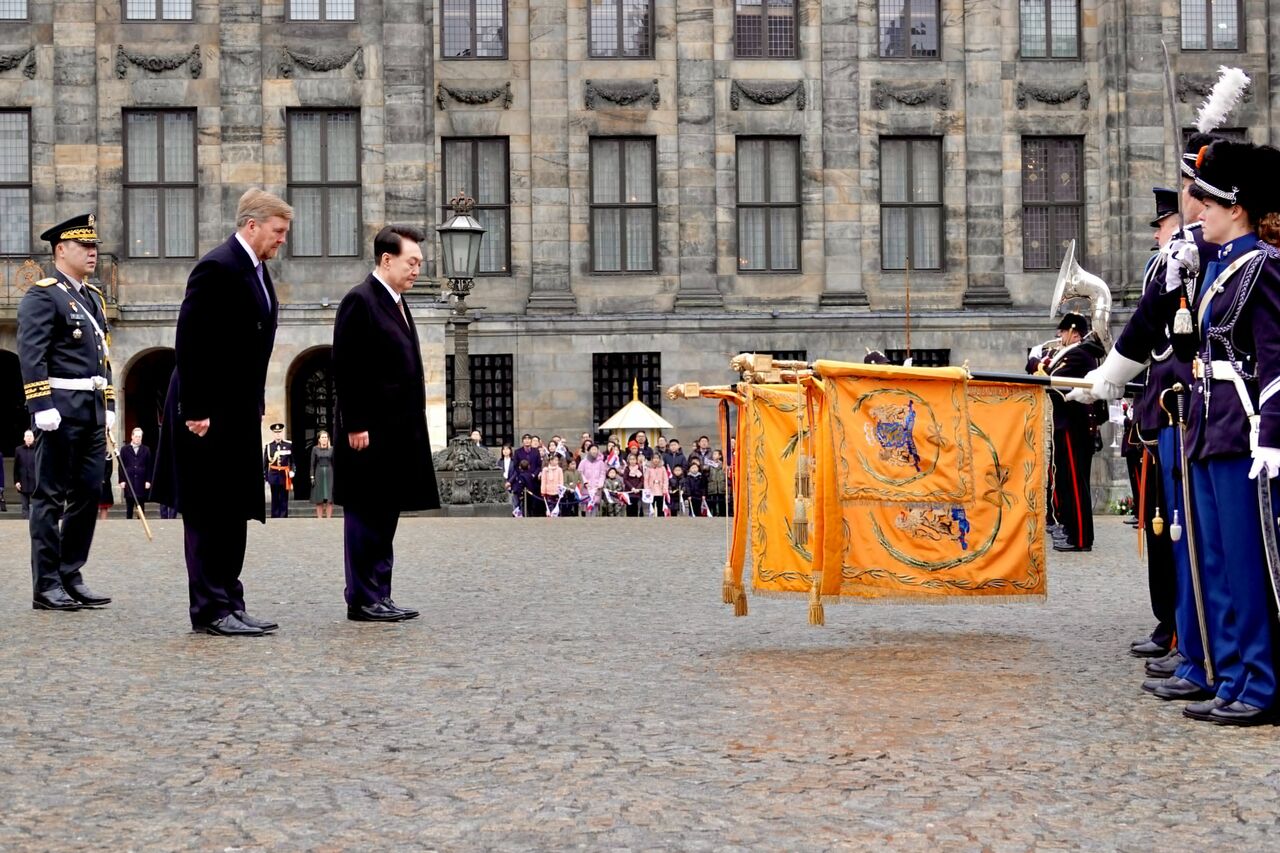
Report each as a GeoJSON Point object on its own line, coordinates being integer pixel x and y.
{"type": "Point", "coordinates": [382, 458]}
{"type": "Point", "coordinates": [135, 472]}
{"type": "Point", "coordinates": [209, 462]}
{"type": "Point", "coordinates": [24, 470]}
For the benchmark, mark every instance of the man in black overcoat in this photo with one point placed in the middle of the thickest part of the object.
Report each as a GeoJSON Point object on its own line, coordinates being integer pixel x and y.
{"type": "Point", "coordinates": [24, 470]}
{"type": "Point", "coordinates": [135, 472]}
{"type": "Point", "coordinates": [209, 462]}
{"type": "Point", "coordinates": [382, 459]}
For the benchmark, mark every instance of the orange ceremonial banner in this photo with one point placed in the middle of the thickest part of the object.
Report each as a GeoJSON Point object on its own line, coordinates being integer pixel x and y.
{"type": "Point", "coordinates": [781, 561]}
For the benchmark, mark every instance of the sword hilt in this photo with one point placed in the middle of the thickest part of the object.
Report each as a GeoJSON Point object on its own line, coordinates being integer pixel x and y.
{"type": "Point", "coordinates": [1178, 389]}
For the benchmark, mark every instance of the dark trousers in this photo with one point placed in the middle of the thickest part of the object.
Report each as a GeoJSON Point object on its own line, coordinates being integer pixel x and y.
{"type": "Point", "coordinates": [633, 508]}
{"type": "Point", "coordinates": [130, 503]}
{"type": "Point", "coordinates": [1072, 455]}
{"type": "Point", "coordinates": [1239, 602]}
{"type": "Point", "coordinates": [1188, 621]}
{"type": "Point", "coordinates": [716, 502]}
{"type": "Point", "coordinates": [1162, 574]}
{"type": "Point", "coordinates": [215, 557]}
{"type": "Point", "coordinates": [26, 504]}
{"type": "Point", "coordinates": [279, 501]}
{"type": "Point", "coordinates": [64, 503]}
{"type": "Point", "coordinates": [368, 534]}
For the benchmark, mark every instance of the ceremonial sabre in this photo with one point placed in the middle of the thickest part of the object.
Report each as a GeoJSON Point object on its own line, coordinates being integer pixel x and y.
{"type": "Point", "coordinates": [1173, 127]}
{"type": "Point", "coordinates": [1189, 524]}
{"type": "Point", "coordinates": [1269, 546]}
{"type": "Point", "coordinates": [142, 516]}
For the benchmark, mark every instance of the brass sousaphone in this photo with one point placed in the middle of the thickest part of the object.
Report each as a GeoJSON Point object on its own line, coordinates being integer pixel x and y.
{"type": "Point", "coordinates": [1076, 283]}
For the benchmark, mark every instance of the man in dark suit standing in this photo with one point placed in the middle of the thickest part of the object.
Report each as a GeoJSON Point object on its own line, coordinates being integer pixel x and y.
{"type": "Point", "coordinates": [24, 470]}
{"type": "Point", "coordinates": [209, 463]}
{"type": "Point", "coordinates": [135, 472]}
{"type": "Point", "coordinates": [382, 462]}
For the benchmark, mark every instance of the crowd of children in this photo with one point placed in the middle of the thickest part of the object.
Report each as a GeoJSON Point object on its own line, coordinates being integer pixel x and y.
{"type": "Point", "coordinates": [634, 479]}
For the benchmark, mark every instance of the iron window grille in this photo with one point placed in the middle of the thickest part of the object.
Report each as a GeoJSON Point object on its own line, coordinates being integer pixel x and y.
{"type": "Point", "coordinates": [1052, 200]}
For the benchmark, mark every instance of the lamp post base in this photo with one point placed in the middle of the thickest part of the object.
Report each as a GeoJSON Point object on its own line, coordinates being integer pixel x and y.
{"type": "Point", "coordinates": [467, 473]}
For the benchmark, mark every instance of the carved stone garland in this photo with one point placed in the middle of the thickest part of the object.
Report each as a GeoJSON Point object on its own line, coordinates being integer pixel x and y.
{"type": "Point", "coordinates": [321, 62]}
{"type": "Point", "coordinates": [1201, 86]}
{"type": "Point", "coordinates": [765, 92]}
{"type": "Point", "coordinates": [938, 94]}
{"type": "Point", "coordinates": [473, 97]}
{"type": "Point", "coordinates": [624, 93]}
{"type": "Point", "coordinates": [156, 63]}
{"type": "Point", "coordinates": [10, 61]}
{"type": "Point", "coordinates": [1052, 94]}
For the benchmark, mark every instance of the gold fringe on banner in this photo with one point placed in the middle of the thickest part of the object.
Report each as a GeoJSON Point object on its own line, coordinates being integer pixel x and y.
{"type": "Point", "coordinates": [816, 614]}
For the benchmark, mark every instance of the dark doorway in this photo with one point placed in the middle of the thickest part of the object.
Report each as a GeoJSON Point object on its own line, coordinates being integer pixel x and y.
{"type": "Point", "coordinates": [145, 387]}
{"type": "Point", "coordinates": [14, 419]}
{"type": "Point", "coordinates": [311, 406]}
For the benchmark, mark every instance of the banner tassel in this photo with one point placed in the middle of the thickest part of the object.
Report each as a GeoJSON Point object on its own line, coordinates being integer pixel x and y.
{"type": "Point", "coordinates": [739, 601]}
{"type": "Point", "coordinates": [816, 614]}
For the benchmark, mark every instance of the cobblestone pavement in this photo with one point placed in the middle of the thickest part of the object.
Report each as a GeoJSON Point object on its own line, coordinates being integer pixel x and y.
{"type": "Point", "coordinates": [579, 684]}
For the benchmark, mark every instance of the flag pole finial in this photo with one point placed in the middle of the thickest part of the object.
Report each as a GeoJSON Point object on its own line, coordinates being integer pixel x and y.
{"type": "Point", "coordinates": [635, 389]}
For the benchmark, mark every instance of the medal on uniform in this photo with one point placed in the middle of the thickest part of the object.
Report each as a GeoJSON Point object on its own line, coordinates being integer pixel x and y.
{"type": "Point", "coordinates": [77, 334]}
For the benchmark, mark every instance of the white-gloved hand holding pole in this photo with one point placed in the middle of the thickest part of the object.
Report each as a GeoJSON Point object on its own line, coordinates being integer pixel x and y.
{"type": "Point", "coordinates": [48, 420]}
{"type": "Point", "coordinates": [1183, 264]}
{"type": "Point", "coordinates": [1265, 458]}
{"type": "Point", "coordinates": [1108, 379]}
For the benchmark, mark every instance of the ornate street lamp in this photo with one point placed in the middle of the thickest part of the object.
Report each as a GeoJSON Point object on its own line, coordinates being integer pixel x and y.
{"type": "Point", "coordinates": [459, 260]}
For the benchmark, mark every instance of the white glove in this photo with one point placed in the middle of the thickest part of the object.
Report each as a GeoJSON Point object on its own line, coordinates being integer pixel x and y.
{"type": "Point", "coordinates": [1265, 457]}
{"type": "Point", "coordinates": [111, 420]}
{"type": "Point", "coordinates": [48, 420]}
{"type": "Point", "coordinates": [1037, 352]}
{"type": "Point", "coordinates": [1183, 263]}
{"type": "Point", "coordinates": [1108, 379]}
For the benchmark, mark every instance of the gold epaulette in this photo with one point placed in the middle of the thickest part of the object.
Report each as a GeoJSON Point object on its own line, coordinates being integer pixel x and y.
{"type": "Point", "coordinates": [45, 282]}
{"type": "Point", "coordinates": [35, 390]}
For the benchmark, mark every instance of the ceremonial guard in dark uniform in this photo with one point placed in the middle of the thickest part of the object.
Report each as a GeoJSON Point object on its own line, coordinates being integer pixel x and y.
{"type": "Point", "coordinates": [1073, 434]}
{"type": "Point", "coordinates": [64, 349]}
{"type": "Point", "coordinates": [209, 458]}
{"type": "Point", "coordinates": [279, 468]}
{"type": "Point", "coordinates": [382, 458]}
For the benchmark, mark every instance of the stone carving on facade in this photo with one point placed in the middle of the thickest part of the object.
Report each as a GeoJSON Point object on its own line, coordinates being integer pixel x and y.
{"type": "Point", "coordinates": [10, 61]}
{"type": "Point", "coordinates": [624, 93]}
{"type": "Point", "coordinates": [937, 94]}
{"type": "Point", "coordinates": [156, 63]}
{"type": "Point", "coordinates": [1052, 94]}
{"type": "Point", "coordinates": [473, 97]}
{"type": "Point", "coordinates": [321, 62]}
{"type": "Point", "coordinates": [765, 92]}
{"type": "Point", "coordinates": [1200, 86]}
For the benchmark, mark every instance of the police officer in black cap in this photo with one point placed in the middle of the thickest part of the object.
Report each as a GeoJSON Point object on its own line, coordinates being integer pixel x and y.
{"type": "Point", "coordinates": [279, 468]}
{"type": "Point", "coordinates": [63, 350]}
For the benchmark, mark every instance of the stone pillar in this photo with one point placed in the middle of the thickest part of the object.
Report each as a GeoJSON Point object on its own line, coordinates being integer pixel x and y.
{"type": "Point", "coordinates": [549, 166]}
{"type": "Point", "coordinates": [75, 115]}
{"type": "Point", "coordinates": [240, 90]}
{"type": "Point", "coordinates": [696, 141]}
{"type": "Point", "coordinates": [409, 124]}
{"type": "Point", "coordinates": [984, 158]}
{"type": "Point", "coordinates": [842, 185]}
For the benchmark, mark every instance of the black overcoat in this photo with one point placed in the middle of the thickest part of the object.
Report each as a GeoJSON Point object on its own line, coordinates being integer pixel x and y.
{"type": "Point", "coordinates": [226, 330]}
{"type": "Point", "coordinates": [381, 389]}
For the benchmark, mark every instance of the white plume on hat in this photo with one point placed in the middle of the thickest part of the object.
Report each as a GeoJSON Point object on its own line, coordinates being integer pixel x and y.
{"type": "Point", "coordinates": [1224, 98]}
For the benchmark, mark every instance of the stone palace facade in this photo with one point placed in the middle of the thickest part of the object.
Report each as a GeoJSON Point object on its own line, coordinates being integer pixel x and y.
{"type": "Point", "coordinates": [665, 182]}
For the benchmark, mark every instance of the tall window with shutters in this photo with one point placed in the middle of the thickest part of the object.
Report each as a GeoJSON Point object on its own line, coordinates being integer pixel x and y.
{"type": "Point", "coordinates": [480, 168]}
{"type": "Point", "coordinates": [15, 182]}
{"type": "Point", "coordinates": [765, 28]}
{"type": "Point", "coordinates": [324, 183]}
{"type": "Point", "coordinates": [1212, 25]}
{"type": "Point", "coordinates": [473, 29]}
{"type": "Point", "coordinates": [911, 203]}
{"type": "Point", "coordinates": [1052, 200]}
{"type": "Point", "coordinates": [1050, 29]}
{"type": "Point", "coordinates": [909, 29]}
{"type": "Point", "coordinates": [768, 204]}
{"type": "Point", "coordinates": [624, 205]}
{"type": "Point", "coordinates": [621, 29]}
{"type": "Point", "coordinates": [322, 10]}
{"type": "Point", "coordinates": [160, 183]}
{"type": "Point", "coordinates": [158, 10]}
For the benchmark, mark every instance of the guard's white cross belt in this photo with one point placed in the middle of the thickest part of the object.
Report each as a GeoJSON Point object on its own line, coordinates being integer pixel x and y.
{"type": "Point", "coordinates": [92, 383]}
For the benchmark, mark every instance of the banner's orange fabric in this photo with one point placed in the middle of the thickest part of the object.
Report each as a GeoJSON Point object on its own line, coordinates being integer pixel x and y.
{"type": "Point", "coordinates": [900, 434]}
{"type": "Point", "coordinates": [780, 557]}
{"type": "Point", "coordinates": [992, 546]}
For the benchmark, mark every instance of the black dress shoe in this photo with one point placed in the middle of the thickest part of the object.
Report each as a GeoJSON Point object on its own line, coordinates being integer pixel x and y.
{"type": "Point", "coordinates": [1166, 666]}
{"type": "Point", "coordinates": [229, 626]}
{"type": "Point", "coordinates": [262, 625]}
{"type": "Point", "coordinates": [1176, 688]}
{"type": "Point", "coordinates": [85, 596]}
{"type": "Point", "coordinates": [409, 612]}
{"type": "Point", "coordinates": [1063, 545]}
{"type": "Point", "coordinates": [1202, 710]}
{"type": "Point", "coordinates": [1241, 714]}
{"type": "Point", "coordinates": [376, 612]}
{"type": "Point", "coordinates": [54, 599]}
{"type": "Point", "coordinates": [1149, 649]}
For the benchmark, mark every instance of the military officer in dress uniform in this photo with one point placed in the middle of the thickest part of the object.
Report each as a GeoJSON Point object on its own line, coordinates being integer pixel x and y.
{"type": "Point", "coordinates": [63, 350]}
{"type": "Point", "coordinates": [278, 467]}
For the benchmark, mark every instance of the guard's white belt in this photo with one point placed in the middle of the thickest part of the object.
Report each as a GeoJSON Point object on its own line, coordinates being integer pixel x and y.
{"type": "Point", "coordinates": [92, 383]}
{"type": "Point", "coordinates": [1225, 371]}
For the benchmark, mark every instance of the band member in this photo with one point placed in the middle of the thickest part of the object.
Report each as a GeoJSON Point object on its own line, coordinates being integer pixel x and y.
{"type": "Point", "coordinates": [382, 462]}
{"type": "Point", "coordinates": [208, 463]}
{"type": "Point", "coordinates": [278, 467]}
{"type": "Point", "coordinates": [135, 472]}
{"type": "Point", "coordinates": [63, 351]}
{"type": "Point", "coordinates": [1073, 435]}
{"type": "Point", "coordinates": [24, 470]}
